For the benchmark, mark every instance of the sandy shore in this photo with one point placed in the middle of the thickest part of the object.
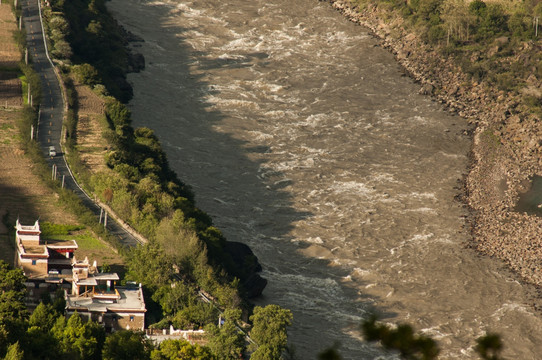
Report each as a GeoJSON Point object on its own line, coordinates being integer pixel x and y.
{"type": "Point", "coordinates": [506, 148]}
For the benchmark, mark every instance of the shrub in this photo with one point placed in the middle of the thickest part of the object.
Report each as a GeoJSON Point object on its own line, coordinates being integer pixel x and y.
{"type": "Point", "coordinates": [493, 22]}
{"type": "Point", "coordinates": [86, 74]}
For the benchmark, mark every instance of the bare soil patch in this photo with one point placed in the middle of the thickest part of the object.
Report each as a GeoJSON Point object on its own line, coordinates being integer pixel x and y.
{"type": "Point", "coordinates": [9, 53]}
{"type": "Point", "coordinates": [21, 191]}
{"type": "Point", "coordinates": [10, 89]}
{"type": "Point", "coordinates": [91, 145]}
{"type": "Point", "coordinates": [89, 102]}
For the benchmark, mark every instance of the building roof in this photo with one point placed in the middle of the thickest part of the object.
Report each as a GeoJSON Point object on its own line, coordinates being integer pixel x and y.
{"type": "Point", "coordinates": [106, 276]}
{"type": "Point", "coordinates": [61, 244]}
{"type": "Point", "coordinates": [131, 300]}
{"type": "Point", "coordinates": [28, 228]}
{"type": "Point", "coordinates": [90, 281]}
{"type": "Point", "coordinates": [35, 250]}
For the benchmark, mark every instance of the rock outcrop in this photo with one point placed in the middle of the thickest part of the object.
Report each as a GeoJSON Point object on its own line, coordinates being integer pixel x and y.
{"type": "Point", "coordinates": [247, 268]}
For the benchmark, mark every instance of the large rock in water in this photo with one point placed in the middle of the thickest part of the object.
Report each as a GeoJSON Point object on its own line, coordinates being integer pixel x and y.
{"type": "Point", "coordinates": [247, 268]}
{"type": "Point", "coordinates": [254, 285]}
{"type": "Point", "coordinates": [136, 62]}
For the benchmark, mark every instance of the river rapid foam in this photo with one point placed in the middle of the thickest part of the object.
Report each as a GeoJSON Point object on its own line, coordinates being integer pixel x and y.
{"type": "Point", "coordinates": [303, 139]}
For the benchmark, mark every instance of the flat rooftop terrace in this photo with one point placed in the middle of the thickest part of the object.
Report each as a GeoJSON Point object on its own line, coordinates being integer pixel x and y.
{"type": "Point", "coordinates": [130, 299]}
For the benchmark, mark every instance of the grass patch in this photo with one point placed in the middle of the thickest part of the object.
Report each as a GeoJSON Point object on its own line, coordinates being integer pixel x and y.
{"type": "Point", "coordinates": [49, 229]}
{"type": "Point", "coordinates": [7, 126]}
{"type": "Point", "coordinates": [491, 139]}
{"type": "Point", "coordinates": [85, 241]}
{"type": "Point", "coordinates": [24, 85]}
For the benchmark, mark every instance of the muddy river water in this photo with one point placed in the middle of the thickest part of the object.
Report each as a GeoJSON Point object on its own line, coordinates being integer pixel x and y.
{"type": "Point", "coordinates": [303, 138]}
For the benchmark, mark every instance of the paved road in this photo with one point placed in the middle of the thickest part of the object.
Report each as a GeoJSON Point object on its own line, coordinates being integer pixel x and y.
{"type": "Point", "coordinates": [51, 115]}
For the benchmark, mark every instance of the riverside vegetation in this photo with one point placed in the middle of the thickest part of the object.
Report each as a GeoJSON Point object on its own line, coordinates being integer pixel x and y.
{"type": "Point", "coordinates": [185, 253]}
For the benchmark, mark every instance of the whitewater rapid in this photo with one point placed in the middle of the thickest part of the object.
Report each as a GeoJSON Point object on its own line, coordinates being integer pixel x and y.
{"type": "Point", "coordinates": [303, 138]}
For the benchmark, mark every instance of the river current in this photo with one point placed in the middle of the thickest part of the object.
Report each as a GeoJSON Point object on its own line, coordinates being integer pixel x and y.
{"type": "Point", "coordinates": [303, 138]}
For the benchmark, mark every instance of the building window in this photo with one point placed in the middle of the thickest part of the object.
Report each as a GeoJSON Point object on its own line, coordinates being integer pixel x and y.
{"type": "Point", "coordinates": [33, 262]}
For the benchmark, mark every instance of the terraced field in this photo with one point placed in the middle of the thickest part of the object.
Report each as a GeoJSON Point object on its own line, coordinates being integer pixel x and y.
{"type": "Point", "coordinates": [10, 85]}
{"type": "Point", "coordinates": [9, 54]}
{"type": "Point", "coordinates": [90, 143]}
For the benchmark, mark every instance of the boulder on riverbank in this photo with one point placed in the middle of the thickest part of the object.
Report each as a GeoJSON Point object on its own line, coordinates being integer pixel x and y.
{"type": "Point", "coordinates": [247, 268]}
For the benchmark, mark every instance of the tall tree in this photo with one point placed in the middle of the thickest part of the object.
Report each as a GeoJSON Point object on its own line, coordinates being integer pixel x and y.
{"type": "Point", "coordinates": [181, 350]}
{"type": "Point", "coordinates": [269, 331]}
{"type": "Point", "coordinates": [79, 340]}
{"type": "Point", "coordinates": [15, 352]}
{"type": "Point", "coordinates": [126, 345]}
{"type": "Point", "coordinates": [226, 341]}
{"type": "Point", "coordinates": [13, 312]}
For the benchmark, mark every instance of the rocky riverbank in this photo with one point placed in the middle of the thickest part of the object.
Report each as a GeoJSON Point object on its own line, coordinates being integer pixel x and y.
{"type": "Point", "coordinates": [507, 142]}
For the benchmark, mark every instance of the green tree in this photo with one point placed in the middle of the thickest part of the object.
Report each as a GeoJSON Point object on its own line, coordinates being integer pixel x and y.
{"type": "Point", "coordinates": [174, 297]}
{"type": "Point", "coordinates": [181, 350]}
{"type": "Point", "coordinates": [40, 341]}
{"type": "Point", "coordinates": [11, 279]}
{"type": "Point", "coordinates": [86, 74]}
{"type": "Point", "coordinates": [428, 8]}
{"type": "Point", "coordinates": [79, 340]}
{"type": "Point", "coordinates": [43, 317]}
{"type": "Point", "coordinates": [493, 22]}
{"type": "Point", "coordinates": [15, 352]}
{"type": "Point", "coordinates": [197, 314]}
{"type": "Point", "coordinates": [126, 344]}
{"type": "Point", "coordinates": [13, 312]}
{"type": "Point", "coordinates": [226, 341]}
{"type": "Point", "coordinates": [60, 24]}
{"type": "Point", "coordinates": [148, 265]}
{"type": "Point", "coordinates": [117, 113]}
{"type": "Point", "coordinates": [269, 331]}
{"type": "Point", "coordinates": [41, 344]}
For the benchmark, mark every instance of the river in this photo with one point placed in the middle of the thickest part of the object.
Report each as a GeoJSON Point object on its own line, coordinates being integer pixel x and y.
{"type": "Point", "coordinates": [303, 138]}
